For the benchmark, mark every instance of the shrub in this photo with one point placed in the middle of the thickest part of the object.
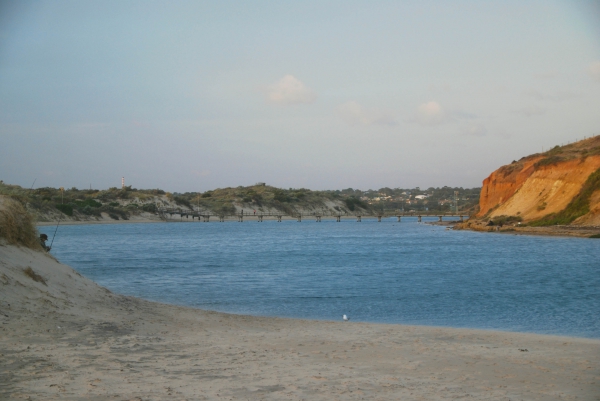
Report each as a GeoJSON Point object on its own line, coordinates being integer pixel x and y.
{"type": "Point", "coordinates": [182, 201]}
{"type": "Point", "coordinates": [351, 203]}
{"type": "Point", "coordinates": [65, 208]}
{"type": "Point", "coordinates": [34, 276]}
{"type": "Point", "coordinates": [280, 196]}
{"type": "Point", "coordinates": [17, 227]}
{"type": "Point", "coordinates": [150, 207]}
{"type": "Point", "coordinates": [116, 213]}
{"type": "Point", "coordinates": [90, 211]}
{"type": "Point", "coordinates": [550, 160]}
{"type": "Point", "coordinates": [501, 220]}
{"type": "Point", "coordinates": [88, 202]}
{"type": "Point", "coordinates": [578, 206]}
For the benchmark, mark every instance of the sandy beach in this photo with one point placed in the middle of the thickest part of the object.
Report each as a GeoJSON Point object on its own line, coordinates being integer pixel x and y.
{"type": "Point", "coordinates": [62, 337]}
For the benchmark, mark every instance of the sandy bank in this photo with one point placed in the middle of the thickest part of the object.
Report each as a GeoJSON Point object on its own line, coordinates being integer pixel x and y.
{"type": "Point", "coordinates": [64, 337]}
{"type": "Point", "coordinates": [557, 231]}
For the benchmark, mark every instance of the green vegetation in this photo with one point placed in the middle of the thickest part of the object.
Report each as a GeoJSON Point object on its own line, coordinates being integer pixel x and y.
{"type": "Point", "coordinates": [17, 226]}
{"type": "Point", "coordinates": [595, 236]}
{"type": "Point", "coordinates": [579, 206]}
{"type": "Point", "coordinates": [550, 160]}
{"type": "Point", "coordinates": [66, 209]}
{"type": "Point", "coordinates": [502, 220]}
{"type": "Point", "coordinates": [122, 203]}
{"type": "Point", "coordinates": [352, 202]}
{"type": "Point", "coordinates": [117, 203]}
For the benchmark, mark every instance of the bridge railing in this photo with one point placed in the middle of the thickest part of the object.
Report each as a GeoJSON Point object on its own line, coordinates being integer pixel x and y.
{"type": "Point", "coordinates": [332, 213]}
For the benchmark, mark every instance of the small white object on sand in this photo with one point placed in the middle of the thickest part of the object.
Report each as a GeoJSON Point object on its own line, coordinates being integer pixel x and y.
{"type": "Point", "coordinates": [345, 318]}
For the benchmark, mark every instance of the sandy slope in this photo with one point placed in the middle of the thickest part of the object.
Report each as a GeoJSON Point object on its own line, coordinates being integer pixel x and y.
{"type": "Point", "coordinates": [73, 340]}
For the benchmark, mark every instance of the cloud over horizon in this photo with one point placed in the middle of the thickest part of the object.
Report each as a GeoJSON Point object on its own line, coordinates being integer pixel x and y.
{"type": "Point", "coordinates": [290, 90]}
{"type": "Point", "coordinates": [430, 113]}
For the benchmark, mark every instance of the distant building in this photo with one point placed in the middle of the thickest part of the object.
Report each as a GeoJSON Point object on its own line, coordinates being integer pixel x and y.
{"type": "Point", "coordinates": [261, 184]}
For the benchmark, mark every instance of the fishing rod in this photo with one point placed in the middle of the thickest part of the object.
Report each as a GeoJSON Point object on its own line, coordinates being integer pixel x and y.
{"type": "Point", "coordinates": [54, 233]}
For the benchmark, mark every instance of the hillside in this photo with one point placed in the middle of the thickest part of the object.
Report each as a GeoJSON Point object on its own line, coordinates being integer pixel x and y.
{"type": "Point", "coordinates": [557, 187]}
{"type": "Point", "coordinates": [52, 204]}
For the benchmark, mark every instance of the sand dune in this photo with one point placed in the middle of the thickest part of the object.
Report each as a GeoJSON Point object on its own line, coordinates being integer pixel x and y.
{"type": "Point", "coordinates": [65, 338]}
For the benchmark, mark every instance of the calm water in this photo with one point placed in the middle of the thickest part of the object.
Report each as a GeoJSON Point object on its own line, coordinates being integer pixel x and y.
{"type": "Point", "coordinates": [375, 272]}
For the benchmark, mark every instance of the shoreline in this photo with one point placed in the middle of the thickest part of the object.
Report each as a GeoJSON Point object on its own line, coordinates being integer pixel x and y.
{"type": "Point", "coordinates": [64, 337]}
{"type": "Point", "coordinates": [553, 231]}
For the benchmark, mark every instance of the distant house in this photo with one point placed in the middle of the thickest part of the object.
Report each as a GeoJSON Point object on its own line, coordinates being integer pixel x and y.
{"type": "Point", "coordinates": [421, 197]}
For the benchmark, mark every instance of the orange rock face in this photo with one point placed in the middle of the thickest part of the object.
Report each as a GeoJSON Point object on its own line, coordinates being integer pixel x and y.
{"type": "Point", "coordinates": [502, 184]}
{"type": "Point", "coordinates": [532, 192]}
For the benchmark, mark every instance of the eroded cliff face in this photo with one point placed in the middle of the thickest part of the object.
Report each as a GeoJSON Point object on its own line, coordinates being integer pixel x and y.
{"type": "Point", "coordinates": [541, 184]}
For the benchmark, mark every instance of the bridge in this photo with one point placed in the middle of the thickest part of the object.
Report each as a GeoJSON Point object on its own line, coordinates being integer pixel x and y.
{"type": "Point", "coordinates": [317, 215]}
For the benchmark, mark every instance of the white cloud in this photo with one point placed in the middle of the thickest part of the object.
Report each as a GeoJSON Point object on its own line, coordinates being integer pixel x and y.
{"type": "Point", "coordinates": [594, 71]}
{"type": "Point", "coordinates": [430, 113]}
{"type": "Point", "coordinates": [290, 90]}
{"type": "Point", "coordinates": [355, 114]}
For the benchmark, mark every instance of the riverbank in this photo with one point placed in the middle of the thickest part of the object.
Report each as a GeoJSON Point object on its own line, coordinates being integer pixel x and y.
{"type": "Point", "coordinates": [516, 229]}
{"type": "Point", "coordinates": [64, 337]}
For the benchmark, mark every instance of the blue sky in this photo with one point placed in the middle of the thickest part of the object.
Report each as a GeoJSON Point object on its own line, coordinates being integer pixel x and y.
{"type": "Point", "coordinates": [191, 96]}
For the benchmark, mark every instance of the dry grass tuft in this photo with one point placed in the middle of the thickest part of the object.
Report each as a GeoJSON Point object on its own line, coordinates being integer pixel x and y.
{"type": "Point", "coordinates": [34, 276]}
{"type": "Point", "coordinates": [16, 225]}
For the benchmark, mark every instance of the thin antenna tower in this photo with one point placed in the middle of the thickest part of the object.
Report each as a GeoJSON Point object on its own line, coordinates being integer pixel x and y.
{"type": "Point", "coordinates": [456, 202]}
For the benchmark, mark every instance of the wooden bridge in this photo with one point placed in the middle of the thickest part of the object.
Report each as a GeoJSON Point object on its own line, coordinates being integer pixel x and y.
{"type": "Point", "coordinates": [317, 215]}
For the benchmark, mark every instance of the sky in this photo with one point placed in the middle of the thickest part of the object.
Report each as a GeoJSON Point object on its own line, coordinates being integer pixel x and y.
{"type": "Point", "coordinates": [191, 96]}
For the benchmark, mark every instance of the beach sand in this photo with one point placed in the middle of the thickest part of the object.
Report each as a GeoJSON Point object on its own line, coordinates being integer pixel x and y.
{"type": "Point", "coordinates": [70, 339]}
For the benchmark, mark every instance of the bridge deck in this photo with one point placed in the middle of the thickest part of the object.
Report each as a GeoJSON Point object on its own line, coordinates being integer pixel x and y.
{"type": "Point", "coordinates": [326, 213]}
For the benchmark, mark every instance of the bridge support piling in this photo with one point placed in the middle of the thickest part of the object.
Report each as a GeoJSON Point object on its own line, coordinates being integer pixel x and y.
{"type": "Point", "coordinates": [260, 219]}
{"type": "Point", "coordinates": [221, 219]}
{"type": "Point", "coordinates": [299, 218]}
{"type": "Point", "coordinates": [419, 218]}
{"type": "Point", "coordinates": [279, 219]}
{"type": "Point", "coordinates": [440, 219]}
{"type": "Point", "coordinates": [318, 219]}
{"type": "Point", "coordinates": [338, 218]}
{"type": "Point", "coordinates": [399, 218]}
{"type": "Point", "coordinates": [358, 220]}
{"type": "Point", "coordinates": [379, 219]}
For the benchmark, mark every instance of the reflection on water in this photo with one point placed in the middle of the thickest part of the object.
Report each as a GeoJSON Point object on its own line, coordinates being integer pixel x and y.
{"type": "Point", "coordinates": [376, 272]}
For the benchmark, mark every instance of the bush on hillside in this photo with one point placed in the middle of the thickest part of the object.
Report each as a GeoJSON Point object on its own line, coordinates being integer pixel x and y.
{"type": "Point", "coordinates": [65, 208]}
{"type": "Point", "coordinates": [17, 226]}
{"type": "Point", "coordinates": [579, 205]}
{"type": "Point", "coordinates": [182, 201]}
{"type": "Point", "coordinates": [502, 220]}
{"type": "Point", "coordinates": [352, 202]}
